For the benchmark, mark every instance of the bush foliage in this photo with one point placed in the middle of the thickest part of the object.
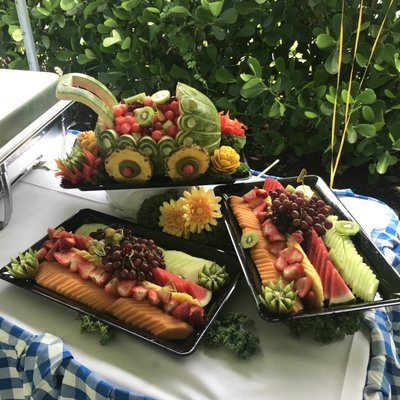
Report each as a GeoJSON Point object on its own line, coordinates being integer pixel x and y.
{"type": "Point", "coordinates": [271, 63]}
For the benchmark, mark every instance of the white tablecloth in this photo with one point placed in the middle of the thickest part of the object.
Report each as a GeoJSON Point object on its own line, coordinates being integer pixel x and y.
{"type": "Point", "coordinates": [286, 368]}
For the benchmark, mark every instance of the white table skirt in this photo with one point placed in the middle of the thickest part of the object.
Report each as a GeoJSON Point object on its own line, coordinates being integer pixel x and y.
{"type": "Point", "coordinates": [286, 368]}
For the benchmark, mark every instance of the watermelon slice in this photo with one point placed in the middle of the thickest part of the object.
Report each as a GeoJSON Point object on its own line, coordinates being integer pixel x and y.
{"type": "Point", "coordinates": [162, 277]}
{"type": "Point", "coordinates": [272, 184]}
{"type": "Point", "coordinates": [335, 289]}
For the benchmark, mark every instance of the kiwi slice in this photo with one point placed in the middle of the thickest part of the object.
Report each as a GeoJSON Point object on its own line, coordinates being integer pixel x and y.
{"type": "Point", "coordinates": [161, 97]}
{"type": "Point", "coordinates": [248, 239]}
{"type": "Point", "coordinates": [347, 228]}
{"type": "Point", "coordinates": [144, 115]}
{"type": "Point", "coordinates": [135, 98]}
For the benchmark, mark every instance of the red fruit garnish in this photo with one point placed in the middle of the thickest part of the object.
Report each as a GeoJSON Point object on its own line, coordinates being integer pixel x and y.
{"type": "Point", "coordinates": [291, 255]}
{"type": "Point", "coordinates": [124, 287]}
{"type": "Point", "coordinates": [196, 317]}
{"type": "Point", "coordinates": [182, 311]}
{"type": "Point", "coordinates": [309, 300]}
{"type": "Point", "coordinates": [127, 172]}
{"type": "Point", "coordinates": [84, 269]}
{"type": "Point", "coordinates": [139, 293]}
{"type": "Point", "coordinates": [293, 272]}
{"type": "Point", "coordinates": [124, 128]}
{"type": "Point", "coordinates": [172, 131]}
{"type": "Point", "coordinates": [169, 115]}
{"type": "Point", "coordinates": [99, 276]}
{"type": "Point", "coordinates": [41, 254]}
{"type": "Point", "coordinates": [188, 169]}
{"type": "Point", "coordinates": [174, 105]}
{"type": "Point", "coordinates": [64, 258]}
{"type": "Point", "coordinates": [156, 135]}
{"type": "Point", "coordinates": [303, 285]}
{"type": "Point", "coordinates": [275, 247]}
{"type": "Point", "coordinates": [129, 119]}
{"type": "Point", "coordinates": [148, 101]}
{"type": "Point", "coordinates": [118, 110]}
{"type": "Point", "coordinates": [153, 298]}
{"type": "Point", "coordinates": [168, 307]}
{"type": "Point", "coordinates": [111, 287]}
{"type": "Point", "coordinates": [135, 127]}
{"type": "Point", "coordinates": [119, 120]}
{"type": "Point", "coordinates": [280, 264]}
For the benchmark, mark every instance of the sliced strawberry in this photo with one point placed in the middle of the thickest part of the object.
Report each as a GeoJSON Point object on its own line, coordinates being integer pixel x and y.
{"type": "Point", "coordinates": [99, 276]}
{"type": "Point", "coordinates": [153, 298]}
{"type": "Point", "coordinates": [111, 286]}
{"type": "Point", "coordinates": [64, 257]}
{"type": "Point", "coordinates": [182, 311]}
{"type": "Point", "coordinates": [303, 285]}
{"type": "Point", "coordinates": [124, 287]}
{"type": "Point", "coordinates": [41, 254]}
{"type": "Point", "coordinates": [309, 300]}
{"type": "Point", "coordinates": [67, 243]}
{"type": "Point", "coordinates": [261, 207]}
{"type": "Point", "coordinates": [84, 269]}
{"type": "Point", "coordinates": [196, 317]}
{"type": "Point", "coordinates": [255, 197]}
{"type": "Point", "coordinates": [271, 232]}
{"type": "Point", "coordinates": [276, 247]}
{"type": "Point", "coordinates": [75, 260]}
{"type": "Point", "coordinates": [291, 255]}
{"type": "Point", "coordinates": [280, 264]}
{"type": "Point", "coordinates": [262, 216]}
{"type": "Point", "coordinates": [50, 254]}
{"type": "Point", "coordinates": [168, 307]}
{"type": "Point", "coordinates": [139, 293]}
{"type": "Point", "coordinates": [293, 272]}
{"type": "Point", "coordinates": [48, 244]}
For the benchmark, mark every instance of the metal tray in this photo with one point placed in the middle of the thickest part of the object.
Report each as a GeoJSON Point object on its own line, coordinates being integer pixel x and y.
{"type": "Point", "coordinates": [389, 286]}
{"type": "Point", "coordinates": [178, 347]}
{"type": "Point", "coordinates": [154, 182]}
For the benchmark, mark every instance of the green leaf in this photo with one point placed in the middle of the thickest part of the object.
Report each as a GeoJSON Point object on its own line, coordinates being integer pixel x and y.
{"type": "Point", "coordinates": [178, 10]}
{"type": "Point", "coordinates": [45, 41]}
{"type": "Point", "coordinates": [280, 64]}
{"type": "Point", "coordinates": [310, 114]}
{"type": "Point", "coordinates": [367, 96]}
{"type": "Point", "coordinates": [17, 35]}
{"type": "Point", "coordinates": [67, 5]}
{"type": "Point", "coordinates": [59, 20]}
{"type": "Point", "coordinates": [82, 59]}
{"type": "Point", "coordinates": [252, 88]}
{"type": "Point", "coordinates": [90, 54]}
{"type": "Point", "coordinates": [361, 60]}
{"type": "Point", "coordinates": [212, 52]}
{"type": "Point", "coordinates": [109, 41]}
{"type": "Point", "coordinates": [126, 43]}
{"type": "Point", "coordinates": [43, 11]}
{"type": "Point", "coordinates": [324, 41]}
{"type": "Point", "coordinates": [179, 73]}
{"type": "Point", "coordinates": [255, 66]}
{"type": "Point", "coordinates": [389, 93]}
{"type": "Point", "coordinates": [218, 32]}
{"type": "Point", "coordinates": [246, 77]}
{"type": "Point", "coordinates": [65, 55]}
{"type": "Point", "coordinates": [110, 23]}
{"type": "Point", "coordinates": [351, 135]}
{"type": "Point", "coordinates": [368, 114]}
{"type": "Point", "coordinates": [383, 163]}
{"type": "Point", "coordinates": [229, 16]}
{"type": "Point", "coordinates": [365, 130]}
{"type": "Point", "coordinates": [247, 31]}
{"type": "Point", "coordinates": [331, 64]}
{"type": "Point", "coordinates": [130, 5]}
{"type": "Point", "coordinates": [215, 7]}
{"type": "Point", "coordinates": [274, 111]}
{"type": "Point", "coordinates": [223, 75]}
{"type": "Point", "coordinates": [344, 94]}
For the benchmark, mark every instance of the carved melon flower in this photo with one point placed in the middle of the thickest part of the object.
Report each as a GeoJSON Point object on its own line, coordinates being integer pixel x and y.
{"type": "Point", "coordinates": [172, 218]}
{"type": "Point", "coordinates": [201, 209]}
{"type": "Point", "coordinates": [225, 160]}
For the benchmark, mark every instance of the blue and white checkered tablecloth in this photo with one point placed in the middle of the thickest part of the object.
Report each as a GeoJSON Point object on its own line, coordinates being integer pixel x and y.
{"type": "Point", "coordinates": [40, 367]}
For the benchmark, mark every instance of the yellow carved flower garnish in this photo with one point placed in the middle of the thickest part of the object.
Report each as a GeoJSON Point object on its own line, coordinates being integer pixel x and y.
{"type": "Point", "coordinates": [172, 218]}
{"type": "Point", "coordinates": [225, 159]}
{"type": "Point", "coordinates": [201, 209]}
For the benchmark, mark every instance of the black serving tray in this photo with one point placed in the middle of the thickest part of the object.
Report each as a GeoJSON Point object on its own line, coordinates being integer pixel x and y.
{"type": "Point", "coordinates": [389, 286]}
{"type": "Point", "coordinates": [165, 241]}
{"type": "Point", "coordinates": [154, 182]}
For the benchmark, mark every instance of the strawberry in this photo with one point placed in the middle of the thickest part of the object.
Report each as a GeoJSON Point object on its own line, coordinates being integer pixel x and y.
{"type": "Point", "coordinates": [64, 258]}
{"type": "Point", "coordinates": [196, 317]}
{"type": "Point", "coordinates": [182, 311]}
{"type": "Point", "coordinates": [84, 269]}
{"type": "Point", "coordinates": [67, 243]}
{"type": "Point", "coordinates": [124, 287]}
{"type": "Point", "coordinates": [303, 285]}
{"type": "Point", "coordinates": [262, 216]}
{"type": "Point", "coordinates": [48, 244]}
{"type": "Point", "coordinates": [99, 276]}
{"type": "Point", "coordinates": [261, 207]}
{"type": "Point", "coordinates": [253, 198]}
{"type": "Point", "coordinates": [55, 247]}
{"type": "Point", "coordinates": [271, 232]}
{"type": "Point", "coordinates": [293, 272]}
{"type": "Point", "coordinates": [280, 264]}
{"type": "Point", "coordinates": [41, 254]}
{"type": "Point", "coordinates": [168, 307]}
{"type": "Point", "coordinates": [111, 286]}
{"type": "Point", "coordinates": [291, 255]}
{"type": "Point", "coordinates": [153, 298]}
{"type": "Point", "coordinates": [139, 293]}
{"type": "Point", "coordinates": [309, 300]}
{"type": "Point", "coordinates": [276, 247]}
{"type": "Point", "coordinates": [75, 260]}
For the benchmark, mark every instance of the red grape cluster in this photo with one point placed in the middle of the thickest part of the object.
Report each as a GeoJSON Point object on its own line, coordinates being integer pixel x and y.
{"type": "Point", "coordinates": [165, 120]}
{"type": "Point", "coordinates": [130, 257]}
{"type": "Point", "coordinates": [293, 212]}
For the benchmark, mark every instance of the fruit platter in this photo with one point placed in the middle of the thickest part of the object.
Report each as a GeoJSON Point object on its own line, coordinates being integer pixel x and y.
{"type": "Point", "coordinates": [150, 140]}
{"type": "Point", "coordinates": [301, 251]}
{"type": "Point", "coordinates": [152, 285]}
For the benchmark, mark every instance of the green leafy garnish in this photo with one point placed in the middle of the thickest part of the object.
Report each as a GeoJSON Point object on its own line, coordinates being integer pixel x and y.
{"type": "Point", "coordinates": [92, 325]}
{"type": "Point", "coordinates": [233, 331]}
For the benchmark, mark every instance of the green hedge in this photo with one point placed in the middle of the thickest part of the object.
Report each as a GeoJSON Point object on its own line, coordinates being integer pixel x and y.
{"type": "Point", "coordinates": [272, 63]}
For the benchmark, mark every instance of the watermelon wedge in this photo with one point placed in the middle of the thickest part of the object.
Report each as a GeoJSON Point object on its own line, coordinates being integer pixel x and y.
{"type": "Point", "coordinates": [162, 277]}
{"type": "Point", "coordinates": [335, 289]}
{"type": "Point", "coordinates": [272, 184]}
